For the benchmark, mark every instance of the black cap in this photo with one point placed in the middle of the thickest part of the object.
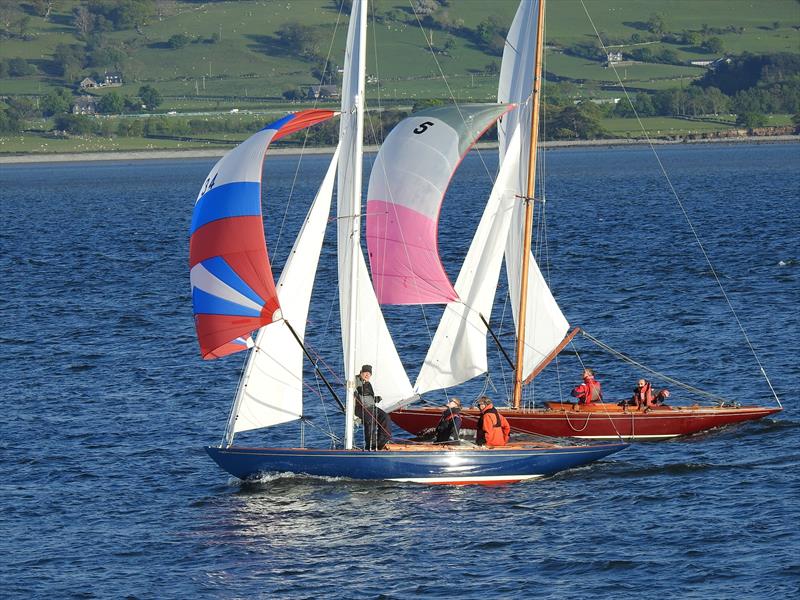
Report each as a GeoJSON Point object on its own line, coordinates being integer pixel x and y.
{"type": "Point", "coordinates": [366, 369]}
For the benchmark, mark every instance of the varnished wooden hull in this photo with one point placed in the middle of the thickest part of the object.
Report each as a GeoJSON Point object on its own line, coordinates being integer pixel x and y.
{"type": "Point", "coordinates": [606, 421]}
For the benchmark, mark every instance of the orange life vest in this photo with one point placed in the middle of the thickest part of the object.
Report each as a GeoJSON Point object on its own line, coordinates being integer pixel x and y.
{"type": "Point", "coordinates": [493, 428]}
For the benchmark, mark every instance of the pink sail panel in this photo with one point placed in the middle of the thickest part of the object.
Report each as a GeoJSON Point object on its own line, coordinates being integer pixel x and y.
{"type": "Point", "coordinates": [233, 290]}
{"type": "Point", "coordinates": [400, 283]}
{"type": "Point", "coordinates": [406, 189]}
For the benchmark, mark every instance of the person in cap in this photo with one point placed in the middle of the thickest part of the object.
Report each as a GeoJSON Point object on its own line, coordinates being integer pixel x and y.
{"type": "Point", "coordinates": [493, 428]}
{"type": "Point", "coordinates": [450, 422]}
{"type": "Point", "coordinates": [377, 428]}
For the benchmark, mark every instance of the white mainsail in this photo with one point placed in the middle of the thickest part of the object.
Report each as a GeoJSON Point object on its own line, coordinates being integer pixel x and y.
{"type": "Point", "coordinates": [365, 337]}
{"type": "Point", "coordinates": [271, 389]}
{"type": "Point", "coordinates": [545, 326]}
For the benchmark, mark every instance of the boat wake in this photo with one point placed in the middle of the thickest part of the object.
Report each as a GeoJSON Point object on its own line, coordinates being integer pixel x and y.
{"type": "Point", "coordinates": [266, 478]}
{"type": "Point", "coordinates": [741, 431]}
{"type": "Point", "coordinates": [634, 471]}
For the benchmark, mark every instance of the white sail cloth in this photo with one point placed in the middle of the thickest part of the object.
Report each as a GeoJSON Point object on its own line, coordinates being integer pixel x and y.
{"type": "Point", "coordinates": [271, 389]}
{"type": "Point", "coordinates": [545, 324]}
{"type": "Point", "coordinates": [365, 337]}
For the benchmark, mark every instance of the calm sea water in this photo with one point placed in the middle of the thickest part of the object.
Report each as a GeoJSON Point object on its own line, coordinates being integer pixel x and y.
{"type": "Point", "coordinates": [107, 492]}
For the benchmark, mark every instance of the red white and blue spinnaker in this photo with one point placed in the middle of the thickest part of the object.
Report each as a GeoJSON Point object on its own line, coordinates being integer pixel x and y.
{"type": "Point", "coordinates": [233, 289]}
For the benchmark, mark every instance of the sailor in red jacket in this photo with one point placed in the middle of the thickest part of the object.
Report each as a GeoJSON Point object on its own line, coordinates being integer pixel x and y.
{"type": "Point", "coordinates": [589, 391]}
{"type": "Point", "coordinates": [643, 395]}
{"type": "Point", "coordinates": [493, 428]}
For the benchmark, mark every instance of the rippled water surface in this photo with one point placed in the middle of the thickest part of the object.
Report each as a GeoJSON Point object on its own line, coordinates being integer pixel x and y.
{"type": "Point", "coordinates": [107, 492]}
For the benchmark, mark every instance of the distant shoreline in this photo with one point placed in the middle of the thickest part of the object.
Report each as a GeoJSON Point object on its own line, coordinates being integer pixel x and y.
{"type": "Point", "coordinates": [217, 152]}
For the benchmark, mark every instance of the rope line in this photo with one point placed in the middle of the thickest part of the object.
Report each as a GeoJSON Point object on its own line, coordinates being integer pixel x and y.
{"type": "Point", "coordinates": [683, 210]}
{"type": "Point", "coordinates": [305, 137]}
{"type": "Point", "coordinates": [689, 388]}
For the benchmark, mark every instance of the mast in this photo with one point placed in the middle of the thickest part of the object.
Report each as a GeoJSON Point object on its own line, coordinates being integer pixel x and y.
{"type": "Point", "coordinates": [354, 238]}
{"type": "Point", "coordinates": [526, 244]}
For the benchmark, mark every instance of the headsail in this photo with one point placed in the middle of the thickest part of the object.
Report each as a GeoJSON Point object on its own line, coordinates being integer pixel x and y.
{"type": "Point", "coordinates": [233, 290]}
{"type": "Point", "coordinates": [406, 189]}
{"type": "Point", "coordinates": [545, 325]}
{"type": "Point", "coordinates": [271, 390]}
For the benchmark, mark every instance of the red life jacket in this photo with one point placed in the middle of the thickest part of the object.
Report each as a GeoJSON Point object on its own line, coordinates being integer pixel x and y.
{"type": "Point", "coordinates": [643, 398]}
{"type": "Point", "coordinates": [594, 393]}
{"type": "Point", "coordinates": [589, 391]}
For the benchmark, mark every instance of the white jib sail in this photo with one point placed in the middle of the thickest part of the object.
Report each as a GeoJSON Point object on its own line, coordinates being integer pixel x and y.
{"type": "Point", "coordinates": [365, 337]}
{"type": "Point", "coordinates": [545, 325]}
{"type": "Point", "coordinates": [271, 390]}
{"type": "Point", "coordinates": [458, 350]}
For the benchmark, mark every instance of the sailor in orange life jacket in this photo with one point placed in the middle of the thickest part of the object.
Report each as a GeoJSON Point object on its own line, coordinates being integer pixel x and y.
{"type": "Point", "coordinates": [589, 391]}
{"type": "Point", "coordinates": [493, 428]}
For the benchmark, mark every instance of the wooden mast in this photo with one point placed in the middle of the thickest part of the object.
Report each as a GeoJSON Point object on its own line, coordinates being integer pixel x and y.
{"type": "Point", "coordinates": [526, 239]}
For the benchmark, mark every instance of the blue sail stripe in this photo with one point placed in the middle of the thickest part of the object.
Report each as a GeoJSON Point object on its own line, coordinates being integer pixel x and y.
{"type": "Point", "coordinates": [279, 123]}
{"type": "Point", "coordinates": [237, 199]}
{"type": "Point", "coordinates": [204, 303]}
{"type": "Point", "coordinates": [223, 271]}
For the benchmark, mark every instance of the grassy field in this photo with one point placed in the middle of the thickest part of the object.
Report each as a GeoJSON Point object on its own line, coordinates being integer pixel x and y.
{"type": "Point", "coordinates": [666, 126]}
{"type": "Point", "coordinates": [246, 68]}
{"type": "Point", "coordinates": [248, 61]}
{"type": "Point", "coordinates": [42, 144]}
{"type": "Point", "coordinates": [640, 75]}
{"type": "Point", "coordinates": [659, 127]}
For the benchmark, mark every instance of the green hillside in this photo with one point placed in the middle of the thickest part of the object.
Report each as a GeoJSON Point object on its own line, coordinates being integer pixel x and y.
{"type": "Point", "coordinates": [234, 49]}
{"type": "Point", "coordinates": [200, 74]}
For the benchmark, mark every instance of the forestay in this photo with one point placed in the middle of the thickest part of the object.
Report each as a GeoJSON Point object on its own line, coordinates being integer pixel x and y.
{"type": "Point", "coordinates": [406, 189]}
{"type": "Point", "coordinates": [233, 290]}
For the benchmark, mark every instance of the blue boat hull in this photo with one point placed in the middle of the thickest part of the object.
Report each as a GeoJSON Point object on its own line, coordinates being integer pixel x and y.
{"type": "Point", "coordinates": [448, 466]}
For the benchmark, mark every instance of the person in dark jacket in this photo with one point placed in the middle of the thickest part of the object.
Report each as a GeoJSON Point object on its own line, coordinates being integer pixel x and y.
{"type": "Point", "coordinates": [377, 429]}
{"type": "Point", "coordinates": [590, 390]}
{"type": "Point", "coordinates": [450, 422]}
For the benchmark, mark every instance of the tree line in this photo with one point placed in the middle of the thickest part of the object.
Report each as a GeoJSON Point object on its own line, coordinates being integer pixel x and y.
{"type": "Point", "coordinates": [776, 90]}
{"type": "Point", "coordinates": [748, 85]}
{"type": "Point", "coordinates": [58, 104]}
